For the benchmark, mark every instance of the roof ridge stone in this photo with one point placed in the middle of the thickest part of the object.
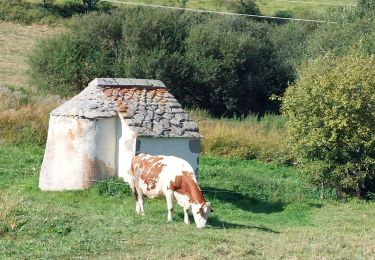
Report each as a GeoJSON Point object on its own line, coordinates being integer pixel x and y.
{"type": "Point", "coordinates": [127, 82]}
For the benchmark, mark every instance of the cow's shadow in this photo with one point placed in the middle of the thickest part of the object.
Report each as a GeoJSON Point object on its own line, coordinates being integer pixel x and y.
{"type": "Point", "coordinates": [216, 223]}
{"type": "Point", "coordinates": [242, 201]}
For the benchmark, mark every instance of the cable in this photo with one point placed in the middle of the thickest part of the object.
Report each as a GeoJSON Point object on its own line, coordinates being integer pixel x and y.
{"type": "Point", "coordinates": [217, 12]}
{"type": "Point", "coordinates": [317, 3]}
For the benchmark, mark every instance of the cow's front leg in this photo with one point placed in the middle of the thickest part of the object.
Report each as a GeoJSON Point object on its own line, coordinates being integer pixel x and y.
{"type": "Point", "coordinates": [186, 215]}
{"type": "Point", "coordinates": [169, 198]}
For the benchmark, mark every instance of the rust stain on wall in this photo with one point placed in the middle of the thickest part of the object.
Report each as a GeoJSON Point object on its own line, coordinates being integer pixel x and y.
{"type": "Point", "coordinates": [68, 142]}
{"type": "Point", "coordinates": [94, 170]}
{"type": "Point", "coordinates": [79, 128]}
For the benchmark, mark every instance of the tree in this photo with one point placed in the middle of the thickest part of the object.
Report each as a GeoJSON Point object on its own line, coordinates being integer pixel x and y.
{"type": "Point", "coordinates": [246, 7]}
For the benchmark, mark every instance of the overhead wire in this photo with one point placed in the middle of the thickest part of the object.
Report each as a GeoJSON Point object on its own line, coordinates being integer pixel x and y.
{"type": "Point", "coordinates": [217, 12]}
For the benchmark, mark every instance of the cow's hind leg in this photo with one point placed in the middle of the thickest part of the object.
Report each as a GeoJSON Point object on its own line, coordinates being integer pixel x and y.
{"type": "Point", "coordinates": [135, 194]}
{"type": "Point", "coordinates": [169, 198]}
{"type": "Point", "coordinates": [139, 201]}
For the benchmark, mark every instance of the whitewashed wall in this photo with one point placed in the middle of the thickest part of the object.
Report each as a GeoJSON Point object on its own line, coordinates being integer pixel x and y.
{"type": "Point", "coordinates": [78, 151]}
{"type": "Point", "coordinates": [125, 148]}
{"type": "Point", "coordinates": [185, 148]}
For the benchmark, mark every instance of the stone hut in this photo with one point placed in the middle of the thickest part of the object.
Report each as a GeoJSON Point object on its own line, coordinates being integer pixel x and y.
{"type": "Point", "coordinates": [94, 135]}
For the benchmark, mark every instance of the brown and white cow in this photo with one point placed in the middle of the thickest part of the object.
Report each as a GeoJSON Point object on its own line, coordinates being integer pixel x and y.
{"type": "Point", "coordinates": [168, 176]}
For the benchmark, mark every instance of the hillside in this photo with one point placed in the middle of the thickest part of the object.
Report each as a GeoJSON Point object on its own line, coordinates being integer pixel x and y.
{"type": "Point", "coordinates": [299, 9]}
{"type": "Point", "coordinates": [16, 42]}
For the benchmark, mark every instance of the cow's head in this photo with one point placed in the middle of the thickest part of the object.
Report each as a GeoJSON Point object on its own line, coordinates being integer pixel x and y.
{"type": "Point", "coordinates": [200, 213]}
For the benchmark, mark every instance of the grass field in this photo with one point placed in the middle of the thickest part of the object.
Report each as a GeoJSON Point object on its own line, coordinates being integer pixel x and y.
{"type": "Point", "coordinates": [261, 211]}
{"type": "Point", "coordinates": [299, 8]}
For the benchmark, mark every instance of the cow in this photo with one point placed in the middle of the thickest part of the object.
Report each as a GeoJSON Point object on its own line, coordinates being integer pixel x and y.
{"type": "Point", "coordinates": [168, 176]}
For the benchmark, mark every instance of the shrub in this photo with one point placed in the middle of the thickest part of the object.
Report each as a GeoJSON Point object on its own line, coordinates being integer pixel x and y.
{"type": "Point", "coordinates": [246, 7]}
{"type": "Point", "coordinates": [331, 123]}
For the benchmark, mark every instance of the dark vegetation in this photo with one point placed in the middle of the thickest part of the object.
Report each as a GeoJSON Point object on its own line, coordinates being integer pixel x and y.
{"type": "Point", "coordinates": [47, 12]}
{"type": "Point", "coordinates": [227, 66]}
{"type": "Point", "coordinates": [246, 7]}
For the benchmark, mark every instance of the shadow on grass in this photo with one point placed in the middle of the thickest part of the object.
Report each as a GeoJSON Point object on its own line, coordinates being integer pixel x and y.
{"type": "Point", "coordinates": [243, 201]}
{"type": "Point", "coordinates": [219, 224]}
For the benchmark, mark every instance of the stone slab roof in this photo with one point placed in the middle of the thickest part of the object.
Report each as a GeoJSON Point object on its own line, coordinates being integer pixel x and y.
{"type": "Point", "coordinates": [145, 105]}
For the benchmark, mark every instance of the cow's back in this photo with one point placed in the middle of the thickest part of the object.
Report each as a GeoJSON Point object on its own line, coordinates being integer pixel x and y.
{"type": "Point", "coordinates": [153, 174]}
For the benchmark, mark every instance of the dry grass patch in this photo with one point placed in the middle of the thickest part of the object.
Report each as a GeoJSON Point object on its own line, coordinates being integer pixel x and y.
{"type": "Point", "coordinates": [250, 137]}
{"type": "Point", "coordinates": [16, 42]}
{"type": "Point", "coordinates": [23, 118]}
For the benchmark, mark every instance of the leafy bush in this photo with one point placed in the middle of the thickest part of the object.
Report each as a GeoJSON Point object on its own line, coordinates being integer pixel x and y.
{"type": "Point", "coordinates": [228, 66]}
{"type": "Point", "coordinates": [246, 7]}
{"type": "Point", "coordinates": [331, 123]}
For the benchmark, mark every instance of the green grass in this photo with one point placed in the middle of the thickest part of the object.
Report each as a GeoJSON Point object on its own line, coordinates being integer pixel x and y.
{"type": "Point", "coordinates": [261, 211]}
{"type": "Point", "coordinates": [299, 8]}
